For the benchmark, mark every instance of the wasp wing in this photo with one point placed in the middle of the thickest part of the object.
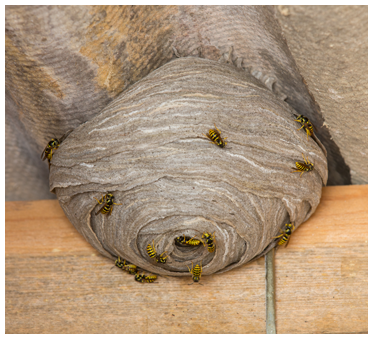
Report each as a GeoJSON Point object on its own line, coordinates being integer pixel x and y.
{"type": "Point", "coordinates": [100, 209]}
{"type": "Point", "coordinates": [65, 135]}
{"type": "Point", "coordinates": [43, 153]}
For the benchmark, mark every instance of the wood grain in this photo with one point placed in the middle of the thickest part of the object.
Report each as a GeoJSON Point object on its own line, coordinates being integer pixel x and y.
{"type": "Point", "coordinates": [57, 283]}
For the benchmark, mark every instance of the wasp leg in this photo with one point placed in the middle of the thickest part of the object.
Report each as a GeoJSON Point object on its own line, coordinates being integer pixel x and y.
{"type": "Point", "coordinates": [114, 203]}
{"type": "Point", "coordinates": [111, 209]}
{"type": "Point", "coordinates": [189, 268]}
{"type": "Point", "coordinates": [217, 129]}
{"type": "Point", "coordinates": [163, 253]}
{"type": "Point", "coordinates": [298, 171]}
{"type": "Point", "coordinates": [304, 158]}
{"type": "Point", "coordinates": [299, 128]}
{"type": "Point", "coordinates": [102, 198]}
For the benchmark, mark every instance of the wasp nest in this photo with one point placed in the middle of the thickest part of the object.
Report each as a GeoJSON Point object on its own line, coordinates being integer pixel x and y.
{"type": "Point", "coordinates": [148, 148]}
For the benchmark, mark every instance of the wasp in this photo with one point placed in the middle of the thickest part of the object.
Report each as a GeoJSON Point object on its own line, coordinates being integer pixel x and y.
{"type": "Point", "coordinates": [153, 254]}
{"type": "Point", "coordinates": [306, 124]}
{"type": "Point", "coordinates": [196, 272]}
{"type": "Point", "coordinates": [194, 242]}
{"type": "Point", "coordinates": [285, 234]}
{"type": "Point", "coordinates": [150, 278]}
{"type": "Point", "coordinates": [307, 166]}
{"type": "Point", "coordinates": [108, 206]}
{"type": "Point", "coordinates": [130, 268]}
{"type": "Point", "coordinates": [184, 240]}
{"type": "Point", "coordinates": [143, 278]}
{"type": "Point", "coordinates": [139, 277]}
{"type": "Point", "coordinates": [210, 241]}
{"type": "Point", "coordinates": [52, 145]}
{"type": "Point", "coordinates": [214, 135]}
{"type": "Point", "coordinates": [120, 263]}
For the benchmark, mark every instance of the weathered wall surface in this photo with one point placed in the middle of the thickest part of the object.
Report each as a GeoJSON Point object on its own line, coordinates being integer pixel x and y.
{"type": "Point", "coordinates": [330, 46]}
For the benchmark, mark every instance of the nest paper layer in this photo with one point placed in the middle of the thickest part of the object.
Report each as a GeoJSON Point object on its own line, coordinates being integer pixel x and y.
{"type": "Point", "coordinates": [148, 149]}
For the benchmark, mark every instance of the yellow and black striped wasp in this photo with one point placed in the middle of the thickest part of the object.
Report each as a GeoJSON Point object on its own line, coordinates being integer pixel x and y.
{"type": "Point", "coordinates": [150, 278]}
{"type": "Point", "coordinates": [194, 242]}
{"type": "Point", "coordinates": [52, 145]}
{"type": "Point", "coordinates": [153, 254]}
{"type": "Point", "coordinates": [188, 241]}
{"type": "Point", "coordinates": [306, 124]}
{"type": "Point", "coordinates": [143, 278]}
{"type": "Point", "coordinates": [210, 241]}
{"type": "Point", "coordinates": [307, 166]}
{"type": "Point", "coordinates": [139, 277]}
{"type": "Point", "coordinates": [130, 268]}
{"type": "Point", "coordinates": [285, 234]}
{"type": "Point", "coordinates": [120, 263]}
{"type": "Point", "coordinates": [214, 135]}
{"type": "Point", "coordinates": [196, 273]}
{"type": "Point", "coordinates": [108, 201]}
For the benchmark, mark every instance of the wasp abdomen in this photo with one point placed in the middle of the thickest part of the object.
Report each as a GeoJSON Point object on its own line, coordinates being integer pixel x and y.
{"type": "Point", "coordinates": [196, 272]}
{"type": "Point", "coordinates": [214, 135]}
{"type": "Point", "coordinates": [150, 278]}
{"type": "Point", "coordinates": [151, 252]}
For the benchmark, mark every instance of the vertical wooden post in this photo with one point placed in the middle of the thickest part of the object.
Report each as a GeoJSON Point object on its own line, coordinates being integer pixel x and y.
{"type": "Point", "coordinates": [270, 292]}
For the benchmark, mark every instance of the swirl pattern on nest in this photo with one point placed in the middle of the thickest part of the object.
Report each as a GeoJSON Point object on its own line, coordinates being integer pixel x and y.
{"type": "Point", "coordinates": [147, 148]}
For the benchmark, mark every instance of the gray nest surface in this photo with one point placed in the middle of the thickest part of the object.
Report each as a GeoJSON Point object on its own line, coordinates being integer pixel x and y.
{"type": "Point", "coordinates": [148, 148]}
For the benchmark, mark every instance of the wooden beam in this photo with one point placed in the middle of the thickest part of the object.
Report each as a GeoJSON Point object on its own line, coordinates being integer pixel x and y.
{"type": "Point", "coordinates": [57, 283]}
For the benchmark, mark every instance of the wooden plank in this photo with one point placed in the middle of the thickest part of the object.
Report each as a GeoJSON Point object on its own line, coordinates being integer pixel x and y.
{"type": "Point", "coordinates": [56, 283]}
{"type": "Point", "coordinates": [322, 276]}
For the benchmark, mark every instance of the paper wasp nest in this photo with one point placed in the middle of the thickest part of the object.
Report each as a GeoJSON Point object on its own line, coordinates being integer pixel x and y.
{"type": "Point", "coordinates": [148, 149]}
